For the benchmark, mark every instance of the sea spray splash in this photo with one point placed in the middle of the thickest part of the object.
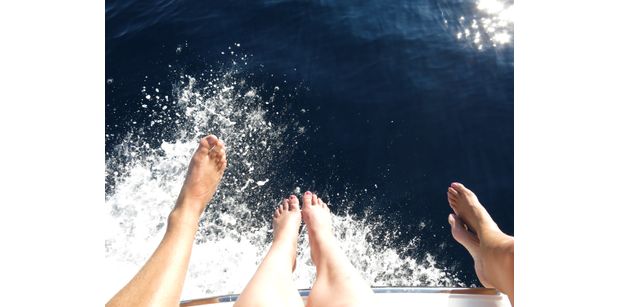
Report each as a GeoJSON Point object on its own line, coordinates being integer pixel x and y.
{"type": "Point", "coordinates": [143, 180]}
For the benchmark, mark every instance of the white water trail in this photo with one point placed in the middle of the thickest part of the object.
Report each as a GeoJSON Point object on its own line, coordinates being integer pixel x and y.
{"type": "Point", "coordinates": [143, 181]}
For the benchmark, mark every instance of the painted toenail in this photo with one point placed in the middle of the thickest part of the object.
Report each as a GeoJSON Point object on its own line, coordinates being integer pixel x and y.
{"type": "Point", "coordinates": [308, 193]}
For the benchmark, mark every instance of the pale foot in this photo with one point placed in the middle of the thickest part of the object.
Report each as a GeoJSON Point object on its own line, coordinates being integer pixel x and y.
{"type": "Point", "coordinates": [203, 175]}
{"type": "Point", "coordinates": [491, 249]}
{"type": "Point", "coordinates": [272, 284]}
{"type": "Point", "coordinates": [286, 222]}
{"type": "Point", "coordinates": [337, 283]}
{"type": "Point", "coordinates": [318, 220]}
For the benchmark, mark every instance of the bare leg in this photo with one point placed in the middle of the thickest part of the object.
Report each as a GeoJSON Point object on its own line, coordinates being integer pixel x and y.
{"type": "Point", "coordinates": [337, 283]}
{"type": "Point", "coordinates": [272, 284]}
{"type": "Point", "coordinates": [160, 281]}
{"type": "Point", "coordinates": [492, 250]}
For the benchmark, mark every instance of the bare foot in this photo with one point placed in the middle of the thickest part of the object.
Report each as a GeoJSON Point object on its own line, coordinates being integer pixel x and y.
{"type": "Point", "coordinates": [491, 249]}
{"type": "Point", "coordinates": [318, 219]}
{"type": "Point", "coordinates": [286, 222]}
{"type": "Point", "coordinates": [203, 175]}
{"type": "Point", "coordinates": [337, 282]}
{"type": "Point", "coordinates": [471, 242]}
{"type": "Point", "coordinates": [272, 284]}
{"type": "Point", "coordinates": [466, 205]}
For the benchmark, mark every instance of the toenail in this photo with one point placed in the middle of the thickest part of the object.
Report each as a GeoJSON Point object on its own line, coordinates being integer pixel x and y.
{"type": "Point", "coordinates": [308, 193]}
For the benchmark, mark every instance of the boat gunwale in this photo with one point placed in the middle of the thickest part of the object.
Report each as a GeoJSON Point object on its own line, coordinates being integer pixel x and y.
{"type": "Point", "coordinates": [378, 290]}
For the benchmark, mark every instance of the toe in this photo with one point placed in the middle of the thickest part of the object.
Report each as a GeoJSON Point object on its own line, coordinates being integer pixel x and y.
{"type": "Point", "coordinates": [277, 213]}
{"type": "Point", "coordinates": [217, 152]}
{"type": "Point", "coordinates": [285, 205]}
{"type": "Point", "coordinates": [293, 202]}
{"type": "Point", "coordinates": [451, 195]}
{"type": "Point", "coordinates": [452, 191]}
{"type": "Point", "coordinates": [203, 146]}
{"type": "Point", "coordinates": [215, 146]}
{"type": "Point", "coordinates": [211, 140]}
{"type": "Point", "coordinates": [314, 200]}
{"type": "Point", "coordinates": [324, 205]}
{"type": "Point", "coordinates": [307, 198]}
{"type": "Point", "coordinates": [452, 202]}
{"type": "Point", "coordinates": [460, 188]}
{"type": "Point", "coordinates": [454, 209]}
{"type": "Point", "coordinates": [219, 156]}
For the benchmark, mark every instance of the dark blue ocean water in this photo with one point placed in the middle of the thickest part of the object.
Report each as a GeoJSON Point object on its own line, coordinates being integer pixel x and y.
{"type": "Point", "coordinates": [397, 103]}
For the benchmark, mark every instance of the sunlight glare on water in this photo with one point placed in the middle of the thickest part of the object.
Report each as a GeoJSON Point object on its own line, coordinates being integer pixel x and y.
{"type": "Point", "coordinates": [494, 26]}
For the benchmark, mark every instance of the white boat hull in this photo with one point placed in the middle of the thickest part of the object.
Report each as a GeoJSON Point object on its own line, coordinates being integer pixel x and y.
{"type": "Point", "coordinates": [393, 296]}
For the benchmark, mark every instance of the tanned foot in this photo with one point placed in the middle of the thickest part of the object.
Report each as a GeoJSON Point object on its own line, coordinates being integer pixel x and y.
{"type": "Point", "coordinates": [318, 220]}
{"type": "Point", "coordinates": [203, 175]}
{"type": "Point", "coordinates": [471, 242]}
{"type": "Point", "coordinates": [286, 222]}
{"type": "Point", "coordinates": [466, 205]}
{"type": "Point", "coordinates": [491, 249]}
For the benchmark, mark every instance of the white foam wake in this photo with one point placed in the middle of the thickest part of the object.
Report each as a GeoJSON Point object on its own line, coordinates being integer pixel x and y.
{"type": "Point", "coordinates": [143, 180]}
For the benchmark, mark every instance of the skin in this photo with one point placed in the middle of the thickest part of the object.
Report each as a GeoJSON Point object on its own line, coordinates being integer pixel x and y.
{"type": "Point", "coordinates": [272, 284]}
{"type": "Point", "coordinates": [337, 283]}
{"type": "Point", "coordinates": [491, 249]}
{"type": "Point", "coordinates": [160, 281]}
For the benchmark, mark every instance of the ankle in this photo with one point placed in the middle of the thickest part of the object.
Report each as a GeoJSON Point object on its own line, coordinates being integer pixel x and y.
{"type": "Point", "coordinates": [323, 241]}
{"type": "Point", "coordinates": [284, 243]}
{"type": "Point", "coordinates": [183, 217]}
{"type": "Point", "coordinates": [190, 205]}
{"type": "Point", "coordinates": [321, 233]}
